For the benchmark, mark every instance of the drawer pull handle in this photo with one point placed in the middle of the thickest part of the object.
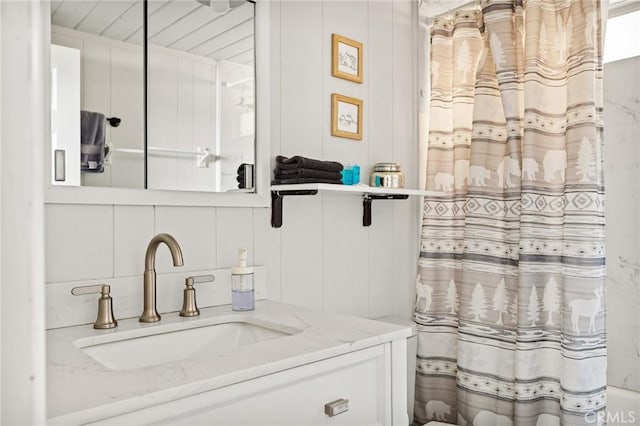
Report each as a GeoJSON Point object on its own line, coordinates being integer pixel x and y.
{"type": "Point", "coordinates": [336, 407]}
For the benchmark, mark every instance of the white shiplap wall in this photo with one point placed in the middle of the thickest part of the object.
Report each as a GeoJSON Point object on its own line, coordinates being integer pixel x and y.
{"type": "Point", "coordinates": [322, 256]}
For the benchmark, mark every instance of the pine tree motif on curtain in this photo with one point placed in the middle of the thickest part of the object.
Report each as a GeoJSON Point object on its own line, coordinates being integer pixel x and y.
{"type": "Point", "coordinates": [510, 303]}
{"type": "Point", "coordinates": [500, 301]}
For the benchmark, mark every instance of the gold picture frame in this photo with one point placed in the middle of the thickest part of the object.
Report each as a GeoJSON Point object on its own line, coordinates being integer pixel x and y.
{"type": "Point", "coordinates": [346, 117]}
{"type": "Point", "coordinates": [346, 58]}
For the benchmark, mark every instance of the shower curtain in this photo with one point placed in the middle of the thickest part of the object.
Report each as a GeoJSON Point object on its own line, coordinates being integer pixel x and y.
{"type": "Point", "coordinates": [510, 295]}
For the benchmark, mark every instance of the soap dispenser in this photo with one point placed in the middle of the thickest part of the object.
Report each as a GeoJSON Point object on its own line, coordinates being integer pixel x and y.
{"type": "Point", "coordinates": [242, 294]}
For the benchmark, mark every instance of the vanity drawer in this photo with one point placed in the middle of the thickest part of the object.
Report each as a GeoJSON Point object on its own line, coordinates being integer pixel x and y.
{"type": "Point", "coordinates": [291, 397]}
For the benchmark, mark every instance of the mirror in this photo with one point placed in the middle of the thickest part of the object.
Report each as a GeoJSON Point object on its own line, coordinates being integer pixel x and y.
{"type": "Point", "coordinates": [199, 86]}
{"type": "Point", "coordinates": [97, 66]}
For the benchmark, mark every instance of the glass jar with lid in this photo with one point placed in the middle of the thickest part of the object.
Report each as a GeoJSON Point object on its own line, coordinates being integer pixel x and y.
{"type": "Point", "coordinates": [387, 175]}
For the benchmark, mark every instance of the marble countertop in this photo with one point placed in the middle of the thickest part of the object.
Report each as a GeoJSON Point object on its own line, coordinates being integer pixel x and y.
{"type": "Point", "coordinates": [80, 390]}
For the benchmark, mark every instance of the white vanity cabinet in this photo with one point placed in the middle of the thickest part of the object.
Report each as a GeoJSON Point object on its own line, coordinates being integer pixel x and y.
{"type": "Point", "coordinates": [292, 397]}
{"type": "Point", "coordinates": [277, 380]}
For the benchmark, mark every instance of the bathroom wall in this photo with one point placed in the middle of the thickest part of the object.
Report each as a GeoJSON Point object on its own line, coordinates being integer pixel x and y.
{"type": "Point", "coordinates": [322, 257]}
{"type": "Point", "coordinates": [622, 173]}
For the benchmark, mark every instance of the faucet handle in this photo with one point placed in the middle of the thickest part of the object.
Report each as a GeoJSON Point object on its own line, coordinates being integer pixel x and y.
{"type": "Point", "coordinates": [105, 317]}
{"type": "Point", "coordinates": [189, 306]}
{"type": "Point", "coordinates": [199, 279]}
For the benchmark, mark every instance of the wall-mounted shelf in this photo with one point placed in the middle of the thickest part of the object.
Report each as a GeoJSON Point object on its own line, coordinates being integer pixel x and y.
{"type": "Point", "coordinates": [278, 192]}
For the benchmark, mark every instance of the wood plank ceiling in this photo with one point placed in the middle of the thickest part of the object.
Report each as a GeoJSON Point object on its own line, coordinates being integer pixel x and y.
{"type": "Point", "coordinates": [185, 25]}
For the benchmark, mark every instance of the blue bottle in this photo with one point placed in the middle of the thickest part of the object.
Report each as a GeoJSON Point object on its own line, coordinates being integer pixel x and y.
{"type": "Point", "coordinates": [356, 174]}
{"type": "Point", "coordinates": [347, 175]}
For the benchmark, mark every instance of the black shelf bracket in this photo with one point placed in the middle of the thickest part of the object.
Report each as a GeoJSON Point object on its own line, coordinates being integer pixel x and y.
{"type": "Point", "coordinates": [368, 198]}
{"type": "Point", "coordinates": [276, 203]}
{"type": "Point", "coordinates": [278, 196]}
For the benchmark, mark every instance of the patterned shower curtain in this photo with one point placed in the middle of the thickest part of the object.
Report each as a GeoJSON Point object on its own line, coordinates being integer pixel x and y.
{"type": "Point", "coordinates": [510, 296]}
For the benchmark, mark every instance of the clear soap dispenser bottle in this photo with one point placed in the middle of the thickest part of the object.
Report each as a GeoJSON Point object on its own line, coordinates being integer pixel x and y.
{"type": "Point", "coordinates": [242, 295]}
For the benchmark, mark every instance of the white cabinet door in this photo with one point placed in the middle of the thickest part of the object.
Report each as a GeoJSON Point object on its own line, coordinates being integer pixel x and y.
{"type": "Point", "coordinates": [65, 115]}
{"type": "Point", "coordinates": [291, 397]}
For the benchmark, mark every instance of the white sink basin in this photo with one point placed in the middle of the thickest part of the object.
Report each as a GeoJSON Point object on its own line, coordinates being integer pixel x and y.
{"type": "Point", "coordinates": [160, 344]}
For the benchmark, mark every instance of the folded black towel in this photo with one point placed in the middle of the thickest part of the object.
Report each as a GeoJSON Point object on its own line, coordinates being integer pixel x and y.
{"type": "Point", "coordinates": [304, 180]}
{"type": "Point", "coordinates": [306, 173]}
{"type": "Point", "coordinates": [294, 162]}
{"type": "Point", "coordinates": [92, 141]}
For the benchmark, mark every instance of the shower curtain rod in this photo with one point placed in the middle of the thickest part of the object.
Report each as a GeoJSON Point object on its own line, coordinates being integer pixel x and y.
{"type": "Point", "coordinates": [474, 4]}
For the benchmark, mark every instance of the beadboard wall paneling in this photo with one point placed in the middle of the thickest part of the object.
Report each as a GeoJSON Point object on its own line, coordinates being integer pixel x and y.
{"type": "Point", "coordinates": [322, 257]}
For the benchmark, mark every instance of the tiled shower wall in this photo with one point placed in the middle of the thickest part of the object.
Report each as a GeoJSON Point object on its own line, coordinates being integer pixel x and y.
{"type": "Point", "coordinates": [622, 180]}
{"type": "Point", "coordinates": [322, 257]}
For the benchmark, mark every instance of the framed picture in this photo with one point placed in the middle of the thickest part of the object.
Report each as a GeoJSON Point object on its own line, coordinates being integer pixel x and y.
{"type": "Point", "coordinates": [346, 117]}
{"type": "Point", "coordinates": [346, 58]}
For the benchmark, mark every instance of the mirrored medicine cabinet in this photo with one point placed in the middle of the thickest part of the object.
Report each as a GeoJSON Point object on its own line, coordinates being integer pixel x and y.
{"type": "Point", "coordinates": [155, 102]}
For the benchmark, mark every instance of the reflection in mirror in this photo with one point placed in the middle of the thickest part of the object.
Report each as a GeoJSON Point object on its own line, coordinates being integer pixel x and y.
{"type": "Point", "coordinates": [97, 67]}
{"type": "Point", "coordinates": [201, 120]}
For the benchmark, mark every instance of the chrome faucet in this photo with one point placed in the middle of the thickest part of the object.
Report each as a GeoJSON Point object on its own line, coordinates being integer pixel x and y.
{"type": "Point", "coordinates": [150, 314]}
